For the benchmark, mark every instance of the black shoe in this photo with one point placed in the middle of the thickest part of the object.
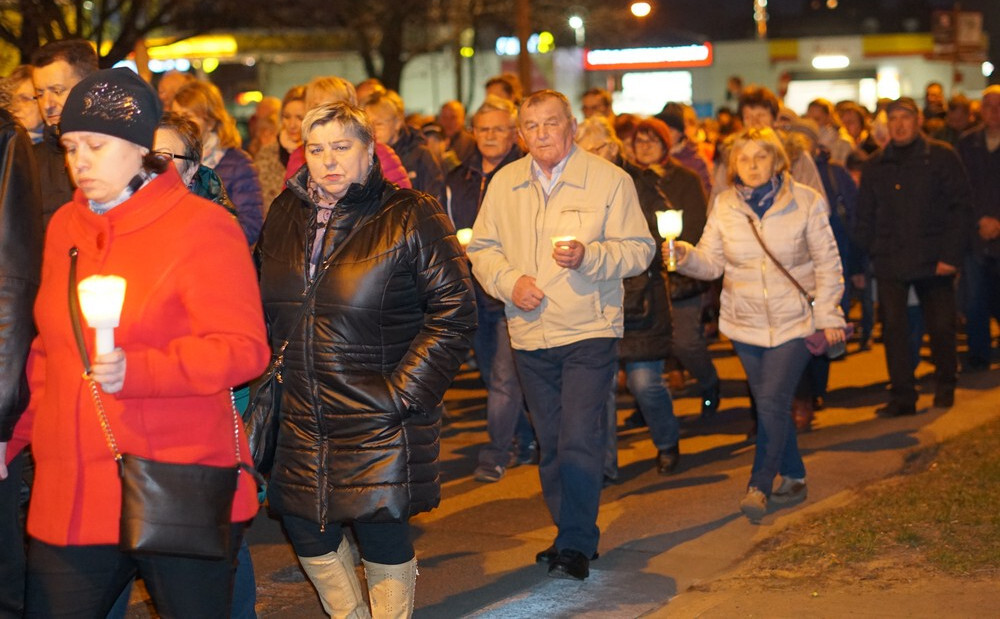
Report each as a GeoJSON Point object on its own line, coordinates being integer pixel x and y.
{"type": "Point", "coordinates": [667, 460]}
{"type": "Point", "coordinates": [634, 421]}
{"type": "Point", "coordinates": [975, 364]}
{"type": "Point", "coordinates": [895, 409]}
{"type": "Point", "coordinates": [709, 402]}
{"type": "Point", "coordinates": [549, 554]}
{"type": "Point", "coordinates": [570, 563]}
{"type": "Point", "coordinates": [944, 398]}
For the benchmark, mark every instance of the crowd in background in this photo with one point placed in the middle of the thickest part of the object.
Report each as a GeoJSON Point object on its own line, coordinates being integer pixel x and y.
{"type": "Point", "coordinates": [898, 224]}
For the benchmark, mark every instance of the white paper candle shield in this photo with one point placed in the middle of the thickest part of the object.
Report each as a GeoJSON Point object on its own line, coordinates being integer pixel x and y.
{"type": "Point", "coordinates": [557, 240]}
{"type": "Point", "coordinates": [101, 299]}
{"type": "Point", "coordinates": [670, 224]}
{"type": "Point", "coordinates": [464, 236]}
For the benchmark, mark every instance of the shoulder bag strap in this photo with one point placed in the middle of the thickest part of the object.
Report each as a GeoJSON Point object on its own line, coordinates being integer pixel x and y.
{"type": "Point", "coordinates": [781, 268]}
{"type": "Point", "coordinates": [74, 313]}
{"type": "Point", "coordinates": [109, 437]}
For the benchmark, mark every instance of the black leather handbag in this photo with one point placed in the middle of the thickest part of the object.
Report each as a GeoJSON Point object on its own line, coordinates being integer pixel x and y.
{"type": "Point", "coordinates": [167, 508]}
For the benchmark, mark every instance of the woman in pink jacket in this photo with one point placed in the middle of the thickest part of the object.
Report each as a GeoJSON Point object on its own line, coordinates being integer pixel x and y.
{"type": "Point", "coordinates": [770, 236]}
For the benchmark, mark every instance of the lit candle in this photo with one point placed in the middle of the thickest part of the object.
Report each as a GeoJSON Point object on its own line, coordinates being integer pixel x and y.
{"type": "Point", "coordinates": [556, 240]}
{"type": "Point", "coordinates": [670, 224]}
{"type": "Point", "coordinates": [464, 236]}
{"type": "Point", "coordinates": [101, 298]}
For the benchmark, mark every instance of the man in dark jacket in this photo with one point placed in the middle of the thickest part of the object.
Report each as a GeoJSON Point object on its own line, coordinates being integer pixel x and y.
{"type": "Point", "coordinates": [389, 119]}
{"type": "Point", "coordinates": [58, 66]}
{"type": "Point", "coordinates": [980, 152]}
{"type": "Point", "coordinates": [494, 126]}
{"type": "Point", "coordinates": [20, 270]}
{"type": "Point", "coordinates": [913, 218]}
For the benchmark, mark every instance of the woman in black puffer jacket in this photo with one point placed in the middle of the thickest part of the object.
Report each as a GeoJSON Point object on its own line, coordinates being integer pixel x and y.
{"type": "Point", "coordinates": [365, 371]}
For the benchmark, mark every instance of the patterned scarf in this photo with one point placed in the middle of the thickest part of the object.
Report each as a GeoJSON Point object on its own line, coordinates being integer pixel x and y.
{"type": "Point", "coordinates": [759, 199]}
{"type": "Point", "coordinates": [324, 210]}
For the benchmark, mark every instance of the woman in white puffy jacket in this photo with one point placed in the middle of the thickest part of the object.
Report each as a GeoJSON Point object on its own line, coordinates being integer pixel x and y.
{"type": "Point", "coordinates": [763, 312]}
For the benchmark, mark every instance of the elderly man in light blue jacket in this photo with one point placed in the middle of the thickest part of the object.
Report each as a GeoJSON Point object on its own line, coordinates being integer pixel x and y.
{"type": "Point", "coordinates": [557, 232]}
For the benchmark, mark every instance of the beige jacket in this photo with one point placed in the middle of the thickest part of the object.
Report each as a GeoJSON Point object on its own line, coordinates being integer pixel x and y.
{"type": "Point", "coordinates": [593, 200]}
{"type": "Point", "coordinates": [760, 306]}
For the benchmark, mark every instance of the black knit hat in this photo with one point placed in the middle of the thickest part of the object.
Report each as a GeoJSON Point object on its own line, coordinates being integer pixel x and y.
{"type": "Point", "coordinates": [115, 102]}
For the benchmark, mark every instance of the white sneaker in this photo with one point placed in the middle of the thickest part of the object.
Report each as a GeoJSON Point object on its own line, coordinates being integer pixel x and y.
{"type": "Point", "coordinates": [791, 490]}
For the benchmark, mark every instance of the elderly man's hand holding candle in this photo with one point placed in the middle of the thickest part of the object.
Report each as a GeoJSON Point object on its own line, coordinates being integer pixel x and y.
{"type": "Point", "coordinates": [567, 251]}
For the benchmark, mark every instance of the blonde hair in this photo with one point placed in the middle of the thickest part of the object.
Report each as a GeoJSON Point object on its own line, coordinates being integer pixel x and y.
{"type": "Point", "coordinates": [601, 127]}
{"type": "Point", "coordinates": [386, 100]}
{"type": "Point", "coordinates": [330, 89]}
{"type": "Point", "coordinates": [205, 100]}
{"type": "Point", "coordinates": [767, 139]}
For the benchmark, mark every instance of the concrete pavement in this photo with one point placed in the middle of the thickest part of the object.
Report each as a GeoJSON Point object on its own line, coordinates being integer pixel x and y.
{"type": "Point", "coordinates": [660, 535]}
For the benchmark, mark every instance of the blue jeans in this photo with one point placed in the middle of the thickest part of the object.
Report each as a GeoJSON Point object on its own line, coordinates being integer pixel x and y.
{"type": "Point", "coordinates": [645, 382]}
{"type": "Point", "coordinates": [505, 413]}
{"type": "Point", "coordinates": [773, 374]}
{"type": "Point", "coordinates": [567, 392]}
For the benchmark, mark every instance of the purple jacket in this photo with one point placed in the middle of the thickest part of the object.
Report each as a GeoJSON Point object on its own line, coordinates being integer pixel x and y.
{"type": "Point", "coordinates": [239, 177]}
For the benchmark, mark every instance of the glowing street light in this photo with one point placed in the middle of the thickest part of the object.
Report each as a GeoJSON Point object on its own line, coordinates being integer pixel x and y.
{"type": "Point", "coordinates": [641, 9]}
{"type": "Point", "coordinates": [576, 23]}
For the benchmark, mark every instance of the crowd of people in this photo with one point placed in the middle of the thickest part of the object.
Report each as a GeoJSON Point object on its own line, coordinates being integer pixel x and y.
{"type": "Point", "coordinates": [366, 251]}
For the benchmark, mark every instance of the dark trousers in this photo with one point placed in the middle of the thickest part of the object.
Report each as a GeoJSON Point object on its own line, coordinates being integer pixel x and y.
{"type": "Point", "coordinates": [937, 302]}
{"type": "Point", "coordinates": [387, 543]}
{"type": "Point", "coordinates": [567, 392]}
{"type": "Point", "coordinates": [506, 417]}
{"type": "Point", "coordinates": [981, 287]}
{"type": "Point", "coordinates": [85, 581]}
{"type": "Point", "coordinates": [12, 560]}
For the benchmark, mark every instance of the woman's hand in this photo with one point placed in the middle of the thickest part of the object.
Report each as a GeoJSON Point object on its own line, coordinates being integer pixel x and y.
{"type": "Point", "coordinates": [109, 370]}
{"type": "Point", "coordinates": [680, 250]}
{"type": "Point", "coordinates": [834, 336]}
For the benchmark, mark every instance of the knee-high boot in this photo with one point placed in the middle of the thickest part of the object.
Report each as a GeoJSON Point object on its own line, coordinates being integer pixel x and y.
{"type": "Point", "coordinates": [336, 581]}
{"type": "Point", "coordinates": [390, 588]}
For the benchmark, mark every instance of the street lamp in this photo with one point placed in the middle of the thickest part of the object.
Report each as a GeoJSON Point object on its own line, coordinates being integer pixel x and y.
{"type": "Point", "coordinates": [576, 23]}
{"type": "Point", "coordinates": [641, 9]}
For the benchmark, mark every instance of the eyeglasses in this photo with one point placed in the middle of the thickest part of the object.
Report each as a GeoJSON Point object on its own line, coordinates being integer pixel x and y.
{"type": "Point", "coordinates": [166, 154]}
{"type": "Point", "coordinates": [639, 141]}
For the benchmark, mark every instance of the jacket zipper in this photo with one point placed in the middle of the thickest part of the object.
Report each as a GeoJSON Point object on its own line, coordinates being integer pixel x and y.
{"type": "Point", "coordinates": [763, 281]}
{"type": "Point", "coordinates": [314, 386]}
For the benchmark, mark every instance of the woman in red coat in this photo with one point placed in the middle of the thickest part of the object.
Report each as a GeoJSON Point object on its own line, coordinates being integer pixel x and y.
{"type": "Point", "coordinates": [191, 327]}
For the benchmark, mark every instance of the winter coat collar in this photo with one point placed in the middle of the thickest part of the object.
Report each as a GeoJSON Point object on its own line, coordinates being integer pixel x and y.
{"type": "Point", "coordinates": [918, 146]}
{"type": "Point", "coordinates": [473, 165]}
{"type": "Point", "coordinates": [782, 201]}
{"type": "Point", "coordinates": [95, 232]}
{"type": "Point", "coordinates": [357, 193]}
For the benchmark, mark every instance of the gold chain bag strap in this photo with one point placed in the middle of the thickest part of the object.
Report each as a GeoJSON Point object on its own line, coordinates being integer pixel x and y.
{"type": "Point", "coordinates": [167, 508]}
